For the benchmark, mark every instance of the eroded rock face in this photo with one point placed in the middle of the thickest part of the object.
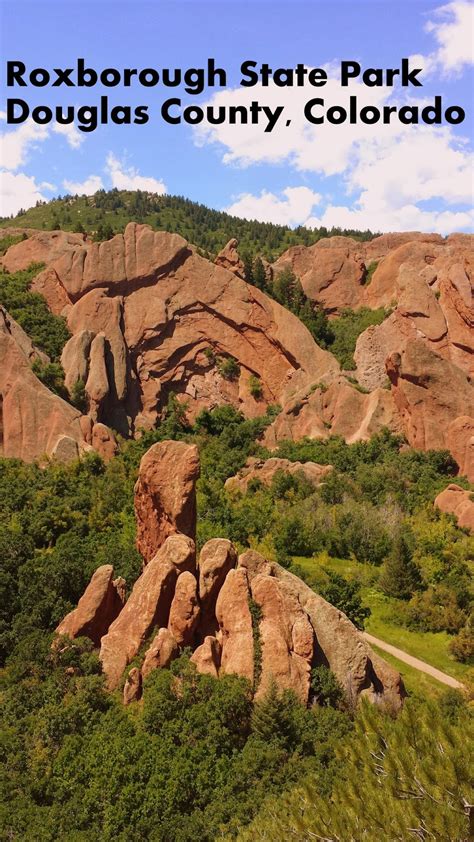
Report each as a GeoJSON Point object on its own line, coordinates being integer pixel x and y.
{"type": "Point", "coordinates": [235, 623]}
{"type": "Point", "coordinates": [162, 651]}
{"type": "Point", "coordinates": [98, 607]}
{"type": "Point", "coordinates": [457, 501]}
{"type": "Point", "coordinates": [286, 638]}
{"type": "Point", "coordinates": [160, 307]}
{"type": "Point", "coordinates": [217, 557]}
{"type": "Point", "coordinates": [430, 392]}
{"type": "Point", "coordinates": [265, 469]}
{"type": "Point", "coordinates": [33, 420]}
{"type": "Point", "coordinates": [185, 610]}
{"type": "Point", "coordinates": [460, 442]}
{"type": "Point", "coordinates": [229, 258]}
{"type": "Point", "coordinates": [207, 657]}
{"type": "Point", "coordinates": [148, 606]}
{"type": "Point", "coordinates": [165, 495]}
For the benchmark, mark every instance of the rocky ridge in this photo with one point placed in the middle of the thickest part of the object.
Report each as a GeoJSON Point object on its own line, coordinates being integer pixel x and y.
{"type": "Point", "coordinates": [228, 609]}
{"type": "Point", "coordinates": [149, 316]}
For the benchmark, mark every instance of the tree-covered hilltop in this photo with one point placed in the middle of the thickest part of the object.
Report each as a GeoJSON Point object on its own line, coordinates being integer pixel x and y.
{"type": "Point", "coordinates": [107, 213]}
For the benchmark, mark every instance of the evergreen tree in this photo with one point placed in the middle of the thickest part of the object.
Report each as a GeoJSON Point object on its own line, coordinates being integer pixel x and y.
{"type": "Point", "coordinates": [400, 575]}
{"type": "Point", "coordinates": [259, 276]}
{"type": "Point", "coordinates": [400, 779]}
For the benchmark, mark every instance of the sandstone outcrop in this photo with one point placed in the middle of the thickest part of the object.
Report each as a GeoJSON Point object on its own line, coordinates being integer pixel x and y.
{"type": "Point", "coordinates": [430, 392]}
{"type": "Point", "coordinates": [207, 657]}
{"type": "Point", "coordinates": [161, 308]}
{"type": "Point", "coordinates": [165, 495]}
{"type": "Point", "coordinates": [185, 610]}
{"type": "Point", "coordinates": [255, 620]}
{"type": "Point", "coordinates": [340, 409]}
{"type": "Point", "coordinates": [147, 607]}
{"type": "Point", "coordinates": [229, 258]}
{"type": "Point", "coordinates": [217, 557]}
{"type": "Point", "coordinates": [265, 469]}
{"type": "Point", "coordinates": [458, 502]}
{"type": "Point", "coordinates": [460, 442]}
{"type": "Point", "coordinates": [98, 607]}
{"type": "Point", "coordinates": [32, 419]}
{"type": "Point", "coordinates": [162, 651]}
{"type": "Point", "coordinates": [286, 638]}
{"type": "Point", "coordinates": [235, 624]}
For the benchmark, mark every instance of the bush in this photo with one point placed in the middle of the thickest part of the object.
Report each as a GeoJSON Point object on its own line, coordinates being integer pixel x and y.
{"type": "Point", "coordinates": [228, 368]}
{"type": "Point", "coordinates": [255, 387]}
{"type": "Point", "coordinates": [347, 329]}
{"type": "Point", "coordinates": [462, 646]}
{"type": "Point", "coordinates": [52, 375]}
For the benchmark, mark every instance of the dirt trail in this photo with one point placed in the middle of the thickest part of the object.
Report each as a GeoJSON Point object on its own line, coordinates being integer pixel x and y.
{"type": "Point", "coordinates": [414, 662]}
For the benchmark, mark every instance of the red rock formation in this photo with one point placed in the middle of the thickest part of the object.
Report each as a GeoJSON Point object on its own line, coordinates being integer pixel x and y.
{"type": "Point", "coordinates": [235, 623]}
{"type": "Point", "coordinates": [229, 258]}
{"type": "Point", "coordinates": [430, 392]}
{"type": "Point", "coordinates": [162, 651]}
{"type": "Point", "coordinates": [265, 469]}
{"type": "Point", "coordinates": [217, 557]}
{"type": "Point", "coordinates": [98, 607]}
{"type": "Point", "coordinates": [286, 637]}
{"type": "Point", "coordinates": [185, 610]}
{"type": "Point", "coordinates": [165, 496]}
{"type": "Point", "coordinates": [331, 272]}
{"type": "Point", "coordinates": [342, 647]}
{"type": "Point", "coordinates": [460, 441]}
{"type": "Point", "coordinates": [458, 502]}
{"type": "Point", "coordinates": [147, 607]}
{"type": "Point", "coordinates": [207, 657]}
{"type": "Point", "coordinates": [33, 419]}
{"type": "Point", "coordinates": [339, 409]}
{"type": "Point", "coordinates": [132, 690]}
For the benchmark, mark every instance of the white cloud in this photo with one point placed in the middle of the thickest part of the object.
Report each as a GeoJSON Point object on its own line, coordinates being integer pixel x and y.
{"type": "Point", "coordinates": [89, 186]}
{"type": "Point", "coordinates": [16, 144]}
{"type": "Point", "coordinates": [291, 210]}
{"type": "Point", "coordinates": [452, 28]}
{"type": "Point", "coordinates": [128, 178]}
{"type": "Point", "coordinates": [18, 190]}
{"type": "Point", "coordinates": [70, 132]}
{"type": "Point", "coordinates": [385, 218]}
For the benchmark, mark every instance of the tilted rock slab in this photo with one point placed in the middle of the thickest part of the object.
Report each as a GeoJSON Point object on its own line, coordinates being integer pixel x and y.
{"type": "Point", "coordinates": [216, 558]}
{"type": "Point", "coordinates": [162, 651]}
{"type": "Point", "coordinates": [235, 623]}
{"type": "Point", "coordinates": [207, 657]}
{"type": "Point", "coordinates": [148, 606]}
{"type": "Point", "coordinates": [165, 495]}
{"type": "Point", "coordinates": [185, 610]}
{"type": "Point", "coordinates": [97, 608]}
{"type": "Point", "coordinates": [286, 638]}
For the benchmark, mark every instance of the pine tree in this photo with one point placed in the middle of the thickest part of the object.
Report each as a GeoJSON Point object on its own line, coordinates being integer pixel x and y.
{"type": "Point", "coordinates": [259, 276]}
{"type": "Point", "coordinates": [400, 575]}
{"type": "Point", "coordinates": [398, 780]}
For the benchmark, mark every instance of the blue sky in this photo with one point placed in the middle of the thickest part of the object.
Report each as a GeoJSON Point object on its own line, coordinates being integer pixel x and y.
{"type": "Point", "coordinates": [387, 178]}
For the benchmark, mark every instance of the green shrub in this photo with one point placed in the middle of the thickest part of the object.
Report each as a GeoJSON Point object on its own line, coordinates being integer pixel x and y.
{"type": "Point", "coordinates": [255, 387]}
{"type": "Point", "coordinates": [228, 368]}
